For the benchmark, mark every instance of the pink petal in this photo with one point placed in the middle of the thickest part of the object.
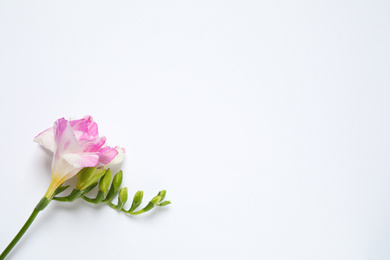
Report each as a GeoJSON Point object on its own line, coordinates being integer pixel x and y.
{"type": "Point", "coordinates": [107, 155]}
{"type": "Point", "coordinates": [65, 139]}
{"type": "Point", "coordinates": [119, 157]}
{"type": "Point", "coordinates": [93, 144]}
{"type": "Point", "coordinates": [46, 139]}
{"type": "Point", "coordinates": [85, 125]}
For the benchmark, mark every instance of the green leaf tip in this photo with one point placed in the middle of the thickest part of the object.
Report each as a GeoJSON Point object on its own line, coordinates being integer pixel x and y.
{"type": "Point", "coordinates": [164, 203]}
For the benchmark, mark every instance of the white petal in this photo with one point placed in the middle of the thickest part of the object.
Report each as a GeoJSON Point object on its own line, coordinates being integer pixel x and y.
{"type": "Point", "coordinates": [81, 160]}
{"type": "Point", "coordinates": [47, 140]}
{"type": "Point", "coordinates": [119, 158]}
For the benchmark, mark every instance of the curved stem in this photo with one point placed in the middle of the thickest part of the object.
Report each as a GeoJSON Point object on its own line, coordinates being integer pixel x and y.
{"type": "Point", "coordinates": [90, 200]}
{"type": "Point", "coordinates": [63, 199]}
{"type": "Point", "coordinates": [41, 205]}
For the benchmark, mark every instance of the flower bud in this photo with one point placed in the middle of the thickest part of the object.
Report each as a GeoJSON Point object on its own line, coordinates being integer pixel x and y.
{"type": "Point", "coordinates": [137, 200]}
{"type": "Point", "coordinates": [156, 200]}
{"type": "Point", "coordinates": [162, 194]}
{"type": "Point", "coordinates": [105, 182]}
{"type": "Point", "coordinates": [150, 205]}
{"type": "Point", "coordinates": [115, 185]}
{"type": "Point", "coordinates": [122, 197]}
{"type": "Point", "coordinates": [88, 176]}
{"type": "Point", "coordinates": [117, 180]}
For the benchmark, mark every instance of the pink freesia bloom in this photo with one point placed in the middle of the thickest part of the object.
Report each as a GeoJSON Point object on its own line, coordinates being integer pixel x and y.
{"type": "Point", "coordinates": [76, 144]}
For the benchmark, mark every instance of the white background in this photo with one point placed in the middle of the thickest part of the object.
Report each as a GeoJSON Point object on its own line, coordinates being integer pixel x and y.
{"type": "Point", "coordinates": [266, 121]}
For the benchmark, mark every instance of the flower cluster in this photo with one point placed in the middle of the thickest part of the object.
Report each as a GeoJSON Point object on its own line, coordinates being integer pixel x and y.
{"type": "Point", "coordinates": [76, 144]}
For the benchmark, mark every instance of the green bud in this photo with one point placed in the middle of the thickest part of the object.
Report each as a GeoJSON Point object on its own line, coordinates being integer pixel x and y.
{"type": "Point", "coordinates": [115, 185]}
{"type": "Point", "coordinates": [146, 209]}
{"type": "Point", "coordinates": [88, 176]}
{"type": "Point", "coordinates": [105, 182]}
{"type": "Point", "coordinates": [156, 200]}
{"type": "Point", "coordinates": [137, 200]}
{"type": "Point", "coordinates": [117, 180]}
{"type": "Point", "coordinates": [123, 194]}
{"type": "Point", "coordinates": [150, 205]}
{"type": "Point", "coordinates": [122, 198]}
{"type": "Point", "coordinates": [162, 194]}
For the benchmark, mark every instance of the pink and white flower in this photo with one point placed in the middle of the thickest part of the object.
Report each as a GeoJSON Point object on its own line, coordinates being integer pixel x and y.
{"type": "Point", "coordinates": [76, 144]}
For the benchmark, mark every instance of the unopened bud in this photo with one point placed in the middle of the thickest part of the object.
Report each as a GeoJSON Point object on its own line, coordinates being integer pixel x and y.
{"type": "Point", "coordinates": [117, 180]}
{"type": "Point", "coordinates": [162, 194]}
{"type": "Point", "coordinates": [137, 200]}
{"type": "Point", "coordinates": [156, 200]}
{"type": "Point", "coordinates": [115, 185]}
{"type": "Point", "coordinates": [88, 176]}
{"type": "Point", "coordinates": [122, 197]}
{"type": "Point", "coordinates": [105, 182]}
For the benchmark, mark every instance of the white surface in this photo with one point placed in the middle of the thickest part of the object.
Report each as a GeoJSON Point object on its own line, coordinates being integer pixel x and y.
{"type": "Point", "coordinates": [266, 121]}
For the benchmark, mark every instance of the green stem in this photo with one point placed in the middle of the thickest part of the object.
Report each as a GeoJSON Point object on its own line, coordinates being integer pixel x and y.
{"type": "Point", "coordinates": [90, 200]}
{"type": "Point", "coordinates": [61, 199]}
{"type": "Point", "coordinates": [111, 205]}
{"type": "Point", "coordinates": [41, 205]}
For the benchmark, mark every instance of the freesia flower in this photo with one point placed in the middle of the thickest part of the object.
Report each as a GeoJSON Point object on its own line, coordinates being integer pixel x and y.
{"type": "Point", "coordinates": [78, 149]}
{"type": "Point", "coordinates": [75, 145]}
